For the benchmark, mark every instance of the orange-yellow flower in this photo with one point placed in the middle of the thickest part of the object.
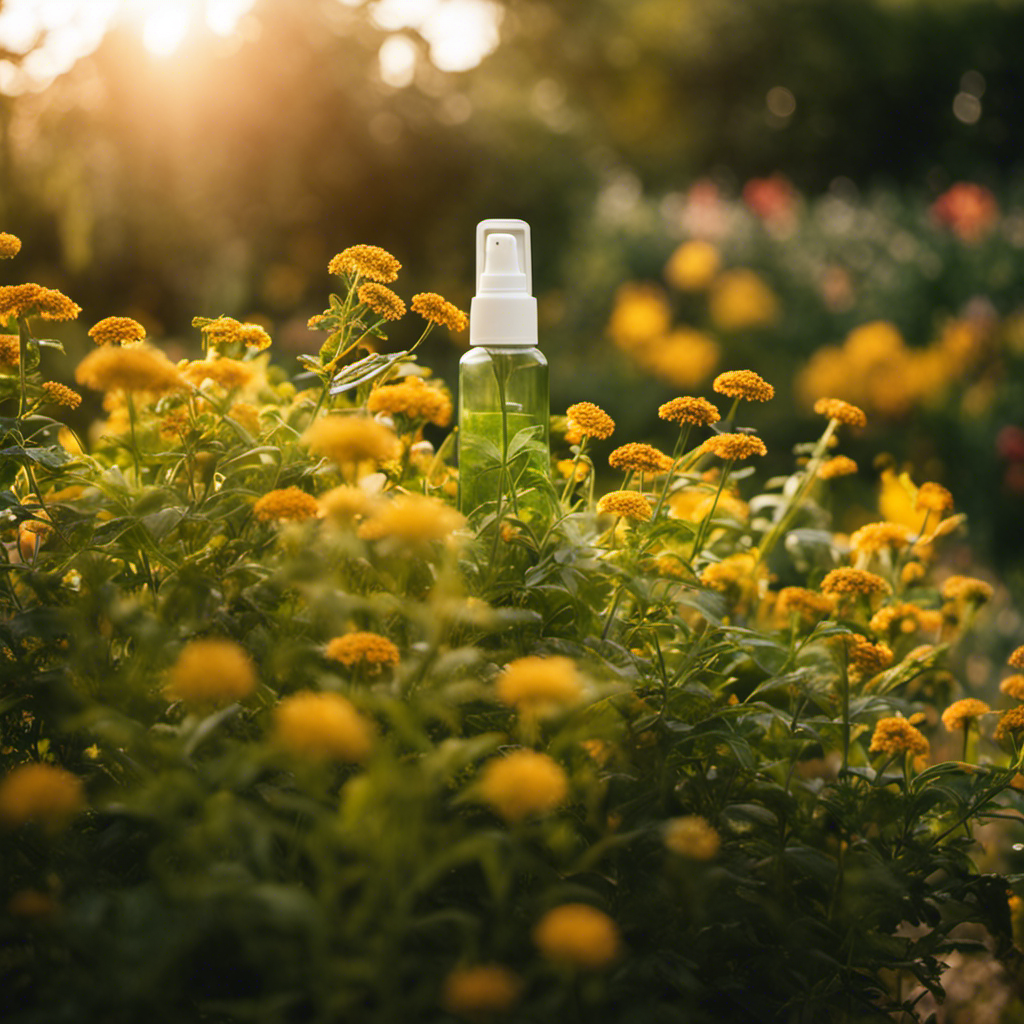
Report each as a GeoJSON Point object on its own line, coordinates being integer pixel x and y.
{"type": "Point", "coordinates": [480, 990]}
{"type": "Point", "coordinates": [691, 836]}
{"type": "Point", "coordinates": [628, 504]}
{"type": "Point", "coordinates": [536, 684]}
{"type": "Point", "coordinates": [369, 261]}
{"type": "Point", "coordinates": [363, 649]}
{"type": "Point", "coordinates": [844, 412]}
{"type": "Point", "coordinates": [896, 735]}
{"type": "Point", "coordinates": [439, 310]}
{"type": "Point", "coordinates": [117, 330]}
{"type": "Point", "coordinates": [322, 726]}
{"type": "Point", "coordinates": [578, 935]}
{"type": "Point", "coordinates": [744, 384]}
{"type": "Point", "coordinates": [40, 792]}
{"type": "Point", "coordinates": [286, 503]}
{"type": "Point", "coordinates": [696, 411]}
{"type": "Point", "coordinates": [212, 671]}
{"type": "Point", "coordinates": [591, 420]}
{"type": "Point", "coordinates": [523, 784]}
{"type": "Point", "coordinates": [961, 713]}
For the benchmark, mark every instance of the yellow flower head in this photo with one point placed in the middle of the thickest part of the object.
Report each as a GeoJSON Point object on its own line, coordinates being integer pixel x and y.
{"type": "Point", "coordinates": [905, 618]}
{"type": "Point", "coordinates": [840, 465]}
{"type": "Point", "coordinates": [139, 368]}
{"type": "Point", "coordinates": [967, 589]}
{"type": "Point", "coordinates": [628, 504]}
{"type": "Point", "coordinates": [10, 245]}
{"type": "Point", "coordinates": [40, 792]}
{"type": "Point", "coordinates": [382, 301]}
{"type": "Point", "coordinates": [961, 713]}
{"type": "Point", "coordinates": [411, 520]}
{"type": "Point", "coordinates": [287, 503]}
{"type": "Point", "coordinates": [351, 439]}
{"type": "Point", "coordinates": [246, 415]}
{"type": "Point", "coordinates": [61, 394]}
{"type": "Point", "coordinates": [687, 409]}
{"type": "Point", "coordinates": [228, 373]}
{"type": "Point", "coordinates": [535, 684]}
{"type": "Point", "coordinates": [743, 384]}
{"type": "Point", "coordinates": [844, 412]}
{"type": "Point", "coordinates": [226, 330]}
{"type": "Point", "coordinates": [643, 458]}
{"type": "Point", "coordinates": [734, 446]}
{"type": "Point", "coordinates": [414, 400]}
{"type": "Point", "coordinates": [807, 604]}
{"type": "Point", "coordinates": [933, 498]}
{"type": "Point", "coordinates": [691, 836]}
{"type": "Point", "coordinates": [740, 299]}
{"type": "Point", "coordinates": [875, 537]}
{"type": "Point", "coordinates": [693, 266]}
{"type": "Point", "coordinates": [322, 726]}
{"type": "Point", "coordinates": [865, 658]}
{"type": "Point", "coordinates": [369, 261]}
{"type": "Point", "coordinates": [897, 736]}
{"type": "Point", "coordinates": [640, 314]}
{"type": "Point", "coordinates": [363, 650]}
{"type": "Point", "coordinates": [342, 505]}
{"type": "Point", "coordinates": [438, 310]}
{"type": "Point", "coordinates": [1013, 686]}
{"type": "Point", "coordinates": [522, 784]}
{"type": "Point", "coordinates": [35, 300]}
{"type": "Point", "coordinates": [480, 990]}
{"type": "Point", "coordinates": [578, 935]}
{"type": "Point", "coordinates": [590, 420]}
{"type": "Point", "coordinates": [10, 350]}
{"type": "Point", "coordinates": [1016, 658]}
{"type": "Point", "coordinates": [117, 330]}
{"type": "Point", "coordinates": [846, 582]}
{"type": "Point", "coordinates": [1011, 723]}
{"type": "Point", "coordinates": [212, 671]}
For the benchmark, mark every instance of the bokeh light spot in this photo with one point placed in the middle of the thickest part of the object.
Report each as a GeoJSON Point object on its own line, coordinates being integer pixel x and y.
{"type": "Point", "coordinates": [780, 101]}
{"type": "Point", "coordinates": [967, 108]}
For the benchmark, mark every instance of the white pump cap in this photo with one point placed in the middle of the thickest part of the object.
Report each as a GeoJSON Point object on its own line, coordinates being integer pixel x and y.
{"type": "Point", "coordinates": [504, 311]}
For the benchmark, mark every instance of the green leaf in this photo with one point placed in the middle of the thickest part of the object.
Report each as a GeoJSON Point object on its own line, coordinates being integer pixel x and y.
{"type": "Point", "coordinates": [364, 370]}
{"type": "Point", "coordinates": [52, 457]}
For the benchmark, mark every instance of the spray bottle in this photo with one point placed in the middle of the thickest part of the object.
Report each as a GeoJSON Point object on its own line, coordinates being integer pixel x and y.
{"type": "Point", "coordinates": [504, 458]}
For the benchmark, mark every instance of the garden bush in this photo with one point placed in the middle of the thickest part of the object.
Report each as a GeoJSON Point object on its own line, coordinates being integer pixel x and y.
{"type": "Point", "coordinates": [286, 737]}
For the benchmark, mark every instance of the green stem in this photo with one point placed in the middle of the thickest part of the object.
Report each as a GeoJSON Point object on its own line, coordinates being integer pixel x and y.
{"type": "Point", "coordinates": [24, 337]}
{"type": "Point", "coordinates": [702, 529]}
{"type": "Point", "coordinates": [677, 454]}
{"type": "Point", "coordinates": [572, 472]}
{"type": "Point", "coordinates": [135, 444]}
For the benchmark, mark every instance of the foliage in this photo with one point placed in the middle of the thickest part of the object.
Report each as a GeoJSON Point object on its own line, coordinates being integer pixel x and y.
{"type": "Point", "coordinates": [346, 756]}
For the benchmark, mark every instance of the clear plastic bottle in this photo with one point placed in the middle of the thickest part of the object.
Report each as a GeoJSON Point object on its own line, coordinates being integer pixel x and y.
{"type": "Point", "coordinates": [504, 457]}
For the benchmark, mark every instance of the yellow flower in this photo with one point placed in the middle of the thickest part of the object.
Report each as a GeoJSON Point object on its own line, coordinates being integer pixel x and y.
{"type": "Point", "coordinates": [412, 399]}
{"type": "Point", "coordinates": [61, 394]}
{"type": "Point", "coordinates": [10, 350]}
{"type": "Point", "coordinates": [565, 468]}
{"type": "Point", "coordinates": [744, 384]}
{"type": "Point", "coordinates": [807, 604]}
{"type": "Point", "coordinates": [640, 314]}
{"type": "Point", "coordinates": [866, 659]}
{"type": "Point", "coordinates": [351, 439]}
{"type": "Point", "coordinates": [844, 412]}
{"type": "Point", "coordinates": [40, 792]}
{"type": "Point", "coordinates": [578, 935]}
{"type": "Point", "coordinates": [740, 299]}
{"type": "Point", "coordinates": [841, 465]}
{"type": "Point", "coordinates": [212, 671]}
{"type": "Point", "coordinates": [369, 261]}
{"type": "Point", "coordinates": [734, 446]}
{"type": "Point", "coordinates": [438, 310]}
{"type": "Point", "coordinates": [139, 368]}
{"type": "Point", "coordinates": [117, 330]}
{"type": "Point", "coordinates": [905, 618]}
{"type": "Point", "coordinates": [228, 373]}
{"type": "Point", "coordinates": [480, 990]}
{"type": "Point", "coordinates": [246, 416]}
{"type": "Point", "coordinates": [897, 736]}
{"type": "Point", "coordinates": [911, 573]}
{"type": "Point", "coordinates": [691, 836]}
{"type": "Point", "coordinates": [933, 498]}
{"type": "Point", "coordinates": [522, 784]}
{"type": "Point", "coordinates": [412, 519]}
{"type": "Point", "coordinates": [697, 411]}
{"type": "Point", "coordinates": [590, 420]}
{"type": "Point", "coordinates": [1016, 658]}
{"type": "Point", "coordinates": [342, 505]}
{"type": "Point", "coordinates": [322, 726]}
{"type": "Point", "coordinates": [226, 330]}
{"type": "Point", "coordinates": [844, 582]}
{"type": "Point", "coordinates": [10, 245]}
{"type": "Point", "coordinates": [286, 503]}
{"type": "Point", "coordinates": [684, 357]}
{"type": "Point", "coordinates": [628, 504]}
{"type": "Point", "coordinates": [1013, 686]}
{"type": "Point", "coordinates": [968, 589]}
{"type": "Point", "coordinates": [363, 649]}
{"type": "Point", "coordinates": [874, 537]}
{"type": "Point", "coordinates": [1011, 723]}
{"type": "Point", "coordinates": [643, 458]}
{"type": "Point", "coordinates": [535, 684]}
{"type": "Point", "coordinates": [732, 575]}
{"type": "Point", "coordinates": [693, 266]}
{"type": "Point", "coordinates": [382, 301]}
{"type": "Point", "coordinates": [34, 300]}
{"type": "Point", "coordinates": [961, 713]}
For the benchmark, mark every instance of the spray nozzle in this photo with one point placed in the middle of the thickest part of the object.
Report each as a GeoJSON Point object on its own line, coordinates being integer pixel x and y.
{"type": "Point", "coordinates": [504, 311]}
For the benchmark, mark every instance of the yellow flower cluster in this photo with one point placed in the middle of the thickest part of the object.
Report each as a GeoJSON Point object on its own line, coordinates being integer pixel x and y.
{"type": "Point", "coordinates": [1013, 686]}
{"type": "Point", "coordinates": [732, 575]}
{"type": "Point", "coordinates": [228, 373]}
{"type": "Point", "coordinates": [211, 671]}
{"type": "Point", "coordinates": [34, 300]}
{"type": "Point", "coordinates": [42, 793]}
{"type": "Point", "coordinates": [895, 736]}
{"type": "Point", "coordinates": [844, 412]}
{"type": "Point", "coordinates": [734, 446]}
{"type": "Point", "coordinates": [691, 836]}
{"type": "Point", "coordinates": [480, 990]}
{"type": "Point", "coordinates": [743, 384]}
{"type": "Point", "coordinates": [847, 582]}
{"type": "Point", "coordinates": [638, 457]}
{"type": "Point", "coordinates": [61, 394]}
{"type": "Point", "coordinates": [807, 604]}
{"type": "Point", "coordinates": [875, 537]}
{"type": "Point", "coordinates": [961, 713]}
{"type": "Point", "coordinates": [322, 726]}
{"type": "Point", "coordinates": [578, 935]}
{"type": "Point", "coordinates": [438, 310]}
{"type": "Point", "coordinates": [10, 350]}
{"type": "Point", "coordinates": [628, 504]}
{"type": "Point", "coordinates": [905, 618]}
{"type": "Point", "coordinates": [10, 245]}
{"type": "Point", "coordinates": [381, 300]}
{"type": "Point", "coordinates": [413, 399]}
{"type": "Point", "coordinates": [686, 409]}
{"type": "Point", "coordinates": [226, 330]}
{"type": "Point", "coordinates": [363, 649]}
{"type": "Point", "coordinates": [117, 330]}
{"type": "Point", "coordinates": [369, 261]}
{"type": "Point", "coordinates": [933, 497]}
{"type": "Point", "coordinates": [537, 684]}
{"type": "Point", "coordinates": [1016, 658]}
{"type": "Point", "coordinates": [343, 504]}
{"type": "Point", "coordinates": [590, 420]}
{"type": "Point", "coordinates": [412, 519]}
{"type": "Point", "coordinates": [967, 589]}
{"type": "Point", "coordinates": [139, 368]}
{"type": "Point", "coordinates": [865, 658]}
{"type": "Point", "coordinates": [1011, 723]}
{"type": "Point", "coordinates": [523, 784]}
{"type": "Point", "coordinates": [693, 266]}
{"type": "Point", "coordinates": [285, 503]}
{"type": "Point", "coordinates": [351, 439]}
{"type": "Point", "coordinates": [840, 465]}
{"type": "Point", "coordinates": [740, 299]}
